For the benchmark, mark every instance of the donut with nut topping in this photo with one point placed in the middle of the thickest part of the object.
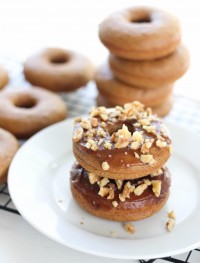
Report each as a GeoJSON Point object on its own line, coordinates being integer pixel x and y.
{"type": "Point", "coordinates": [123, 143]}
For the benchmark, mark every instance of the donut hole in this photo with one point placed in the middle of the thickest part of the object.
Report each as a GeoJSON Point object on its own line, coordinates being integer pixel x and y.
{"type": "Point", "coordinates": [59, 59]}
{"type": "Point", "coordinates": [141, 18]}
{"type": "Point", "coordinates": [25, 103]}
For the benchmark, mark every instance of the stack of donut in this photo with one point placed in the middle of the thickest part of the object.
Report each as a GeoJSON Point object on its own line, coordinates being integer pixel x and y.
{"type": "Point", "coordinates": [120, 174]}
{"type": "Point", "coordinates": [146, 58]}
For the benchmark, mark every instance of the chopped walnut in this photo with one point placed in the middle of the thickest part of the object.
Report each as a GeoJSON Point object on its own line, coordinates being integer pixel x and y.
{"type": "Point", "coordinates": [85, 124]}
{"type": "Point", "coordinates": [105, 166]}
{"type": "Point", "coordinates": [156, 187]}
{"type": "Point", "coordinates": [103, 124]}
{"type": "Point", "coordinates": [147, 158]}
{"type": "Point", "coordinates": [94, 122]}
{"type": "Point", "coordinates": [135, 145]}
{"type": "Point", "coordinates": [129, 227]}
{"type": "Point", "coordinates": [145, 147]}
{"type": "Point", "coordinates": [91, 144]}
{"type": "Point", "coordinates": [78, 133]}
{"type": "Point", "coordinates": [138, 137]}
{"type": "Point", "coordinates": [144, 122]}
{"type": "Point", "coordinates": [170, 224]}
{"type": "Point", "coordinates": [114, 203]}
{"type": "Point", "coordinates": [119, 184]}
{"type": "Point", "coordinates": [136, 155]}
{"type": "Point", "coordinates": [161, 144]}
{"type": "Point", "coordinates": [93, 178]}
{"type": "Point", "coordinates": [150, 129]}
{"type": "Point", "coordinates": [107, 145]}
{"type": "Point", "coordinates": [171, 215]}
{"type": "Point", "coordinates": [140, 189]}
{"type": "Point", "coordinates": [77, 120]}
{"type": "Point", "coordinates": [101, 132]}
{"type": "Point", "coordinates": [103, 182]}
{"type": "Point", "coordinates": [127, 190]}
{"type": "Point", "coordinates": [111, 194]}
{"type": "Point", "coordinates": [122, 136]}
{"type": "Point", "coordinates": [103, 191]}
{"type": "Point", "coordinates": [104, 116]}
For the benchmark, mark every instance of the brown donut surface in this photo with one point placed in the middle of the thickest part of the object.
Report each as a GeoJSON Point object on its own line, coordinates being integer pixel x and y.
{"type": "Point", "coordinates": [58, 69]}
{"type": "Point", "coordinates": [9, 146]}
{"type": "Point", "coordinates": [24, 112]}
{"type": "Point", "coordinates": [120, 200]}
{"type": "Point", "coordinates": [119, 93]}
{"type": "Point", "coordinates": [151, 74]}
{"type": "Point", "coordinates": [121, 143]}
{"type": "Point", "coordinates": [140, 33]}
{"type": "Point", "coordinates": [3, 77]}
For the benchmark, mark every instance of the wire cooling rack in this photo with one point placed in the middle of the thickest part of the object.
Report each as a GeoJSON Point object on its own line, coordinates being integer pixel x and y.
{"type": "Point", "coordinates": [186, 112]}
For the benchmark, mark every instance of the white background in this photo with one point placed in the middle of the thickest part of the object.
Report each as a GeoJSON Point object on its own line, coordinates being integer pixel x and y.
{"type": "Point", "coordinates": [28, 25]}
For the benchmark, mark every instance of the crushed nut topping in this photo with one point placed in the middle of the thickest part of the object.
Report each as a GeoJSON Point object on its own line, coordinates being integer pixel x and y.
{"type": "Point", "coordinates": [136, 155]}
{"type": "Point", "coordinates": [129, 227]}
{"type": "Point", "coordinates": [103, 191]}
{"type": "Point", "coordinates": [140, 189]}
{"type": "Point", "coordinates": [170, 224]}
{"type": "Point", "coordinates": [172, 215]}
{"type": "Point", "coordinates": [161, 144]}
{"type": "Point", "coordinates": [119, 184]}
{"type": "Point", "coordinates": [122, 137]}
{"type": "Point", "coordinates": [145, 147]}
{"type": "Point", "coordinates": [135, 145]}
{"type": "Point", "coordinates": [114, 203]}
{"type": "Point", "coordinates": [107, 145]}
{"type": "Point", "coordinates": [156, 187]}
{"type": "Point", "coordinates": [94, 122]}
{"type": "Point", "coordinates": [85, 124]}
{"type": "Point", "coordinates": [78, 133]}
{"type": "Point", "coordinates": [105, 166]}
{"type": "Point", "coordinates": [138, 137]}
{"type": "Point", "coordinates": [128, 189]}
{"type": "Point", "coordinates": [93, 178]}
{"type": "Point", "coordinates": [147, 158]}
{"type": "Point", "coordinates": [150, 129]}
{"type": "Point", "coordinates": [157, 172]}
{"type": "Point", "coordinates": [103, 182]}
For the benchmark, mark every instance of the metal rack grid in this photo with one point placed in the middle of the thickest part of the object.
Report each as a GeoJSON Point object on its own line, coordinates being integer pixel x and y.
{"type": "Point", "coordinates": [186, 112]}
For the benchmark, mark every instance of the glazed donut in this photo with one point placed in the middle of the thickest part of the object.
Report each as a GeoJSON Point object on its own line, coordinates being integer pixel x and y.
{"type": "Point", "coordinates": [58, 69]}
{"type": "Point", "coordinates": [140, 33]}
{"type": "Point", "coordinates": [24, 112]}
{"type": "Point", "coordinates": [121, 143]}
{"type": "Point", "coordinates": [87, 191]}
{"type": "Point", "coordinates": [118, 93]}
{"type": "Point", "coordinates": [9, 146]}
{"type": "Point", "coordinates": [160, 110]}
{"type": "Point", "coordinates": [151, 74]}
{"type": "Point", "coordinates": [3, 77]}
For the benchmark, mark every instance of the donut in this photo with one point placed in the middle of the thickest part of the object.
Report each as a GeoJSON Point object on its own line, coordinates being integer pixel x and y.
{"type": "Point", "coordinates": [9, 146]}
{"type": "Point", "coordinates": [121, 143]}
{"type": "Point", "coordinates": [110, 199]}
{"type": "Point", "coordinates": [24, 112]}
{"type": "Point", "coordinates": [154, 73]}
{"type": "Point", "coordinates": [140, 33]}
{"type": "Point", "coordinates": [160, 110]}
{"type": "Point", "coordinates": [58, 69]}
{"type": "Point", "coordinates": [3, 77]}
{"type": "Point", "coordinates": [119, 93]}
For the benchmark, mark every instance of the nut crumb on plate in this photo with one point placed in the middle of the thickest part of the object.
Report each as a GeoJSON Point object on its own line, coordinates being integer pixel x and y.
{"type": "Point", "coordinates": [130, 228]}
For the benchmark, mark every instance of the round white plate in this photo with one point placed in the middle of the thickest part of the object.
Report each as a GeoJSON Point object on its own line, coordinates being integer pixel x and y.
{"type": "Point", "coordinates": [39, 187]}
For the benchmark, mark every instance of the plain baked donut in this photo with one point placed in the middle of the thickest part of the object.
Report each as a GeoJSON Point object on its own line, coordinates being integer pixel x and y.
{"type": "Point", "coordinates": [9, 146]}
{"type": "Point", "coordinates": [121, 143]}
{"type": "Point", "coordinates": [24, 112]}
{"type": "Point", "coordinates": [86, 190]}
{"type": "Point", "coordinates": [151, 74]}
{"type": "Point", "coordinates": [140, 33]}
{"type": "Point", "coordinates": [58, 69]}
{"type": "Point", "coordinates": [3, 77]}
{"type": "Point", "coordinates": [119, 93]}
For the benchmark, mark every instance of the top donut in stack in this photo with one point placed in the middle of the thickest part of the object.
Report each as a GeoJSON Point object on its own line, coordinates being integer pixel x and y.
{"type": "Point", "coordinates": [146, 58]}
{"type": "Point", "coordinates": [121, 153]}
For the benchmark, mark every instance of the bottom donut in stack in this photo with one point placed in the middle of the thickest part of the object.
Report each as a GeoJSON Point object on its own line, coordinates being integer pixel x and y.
{"type": "Point", "coordinates": [120, 174]}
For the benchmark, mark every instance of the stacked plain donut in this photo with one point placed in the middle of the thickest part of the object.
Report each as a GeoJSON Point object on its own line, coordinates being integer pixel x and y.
{"type": "Point", "coordinates": [146, 58]}
{"type": "Point", "coordinates": [119, 174]}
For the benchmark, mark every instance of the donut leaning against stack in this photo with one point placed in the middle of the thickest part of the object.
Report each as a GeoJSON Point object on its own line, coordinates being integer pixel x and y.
{"type": "Point", "coordinates": [146, 55]}
{"type": "Point", "coordinates": [121, 152]}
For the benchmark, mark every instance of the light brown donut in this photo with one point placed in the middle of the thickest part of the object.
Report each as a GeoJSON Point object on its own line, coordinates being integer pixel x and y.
{"type": "Point", "coordinates": [9, 146]}
{"type": "Point", "coordinates": [140, 33]}
{"type": "Point", "coordinates": [58, 69]}
{"type": "Point", "coordinates": [112, 143]}
{"type": "Point", "coordinates": [109, 206]}
{"type": "Point", "coordinates": [118, 93]}
{"type": "Point", "coordinates": [3, 77]}
{"type": "Point", "coordinates": [24, 112]}
{"type": "Point", "coordinates": [160, 110]}
{"type": "Point", "coordinates": [154, 73]}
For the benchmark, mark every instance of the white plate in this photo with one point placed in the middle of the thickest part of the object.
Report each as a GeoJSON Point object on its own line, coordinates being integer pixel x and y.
{"type": "Point", "coordinates": [39, 187]}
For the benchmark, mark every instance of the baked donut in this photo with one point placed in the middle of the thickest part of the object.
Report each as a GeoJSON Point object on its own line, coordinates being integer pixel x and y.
{"type": "Point", "coordinates": [9, 146]}
{"type": "Point", "coordinates": [160, 110]}
{"type": "Point", "coordinates": [3, 77]}
{"type": "Point", "coordinates": [121, 143]}
{"type": "Point", "coordinates": [140, 33]}
{"type": "Point", "coordinates": [24, 112]}
{"type": "Point", "coordinates": [151, 74]}
{"type": "Point", "coordinates": [119, 93]}
{"type": "Point", "coordinates": [120, 200]}
{"type": "Point", "coordinates": [58, 69]}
